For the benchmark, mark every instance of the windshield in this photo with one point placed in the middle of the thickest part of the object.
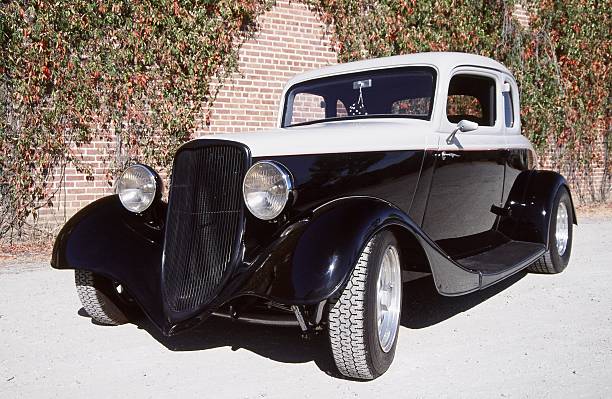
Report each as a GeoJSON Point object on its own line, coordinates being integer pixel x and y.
{"type": "Point", "coordinates": [398, 92]}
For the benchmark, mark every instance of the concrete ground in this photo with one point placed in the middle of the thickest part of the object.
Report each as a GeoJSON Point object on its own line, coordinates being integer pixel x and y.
{"type": "Point", "coordinates": [533, 336]}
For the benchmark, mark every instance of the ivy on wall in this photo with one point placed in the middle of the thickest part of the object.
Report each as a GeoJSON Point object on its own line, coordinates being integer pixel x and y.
{"type": "Point", "coordinates": [138, 73]}
{"type": "Point", "coordinates": [141, 73]}
{"type": "Point", "coordinates": [564, 68]}
{"type": "Point", "coordinates": [562, 62]}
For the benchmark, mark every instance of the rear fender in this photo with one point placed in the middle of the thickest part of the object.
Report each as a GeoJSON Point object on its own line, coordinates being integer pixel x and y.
{"type": "Point", "coordinates": [107, 239]}
{"type": "Point", "coordinates": [529, 205]}
{"type": "Point", "coordinates": [313, 258]}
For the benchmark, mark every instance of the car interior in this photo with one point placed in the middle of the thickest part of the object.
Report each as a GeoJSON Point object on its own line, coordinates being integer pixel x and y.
{"type": "Point", "coordinates": [471, 97]}
{"type": "Point", "coordinates": [404, 92]}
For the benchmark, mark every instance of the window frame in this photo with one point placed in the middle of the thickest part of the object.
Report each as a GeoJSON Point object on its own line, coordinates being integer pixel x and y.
{"type": "Point", "coordinates": [516, 108]}
{"type": "Point", "coordinates": [508, 96]}
{"type": "Point", "coordinates": [288, 101]}
{"type": "Point", "coordinates": [448, 126]}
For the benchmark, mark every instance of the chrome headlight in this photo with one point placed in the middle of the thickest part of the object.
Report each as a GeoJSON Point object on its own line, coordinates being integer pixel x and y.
{"type": "Point", "coordinates": [137, 188]}
{"type": "Point", "coordinates": [266, 189]}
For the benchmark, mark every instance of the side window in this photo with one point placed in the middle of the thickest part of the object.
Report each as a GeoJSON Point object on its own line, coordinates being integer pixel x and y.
{"type": "Point", "coordinates": [310, 107]}
{"type": "Point", "coordinates": [412, 106]}
{"type": "Point", "coordinates": [508, 105]}
{"type": "Point", "coordinates": [461, 106]}
{"type": "Point", "coordinates": [471, 97]}
{"type": "Point", "coordinates": [340, 109]}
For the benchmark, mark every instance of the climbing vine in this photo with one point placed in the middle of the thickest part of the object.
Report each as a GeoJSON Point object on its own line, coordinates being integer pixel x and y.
{"type": "Point", "coordinates": [140, 75]}
{"type": "Point", "coordinates": [561, 61]}
{"type": "Point", "coordinates": [137, 74]}
{"type": "Point", "coordinates": [564, 67]}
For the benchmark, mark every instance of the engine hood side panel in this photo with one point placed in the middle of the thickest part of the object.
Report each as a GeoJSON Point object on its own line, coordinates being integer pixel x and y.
{"type": "Point", "coordinates": [318, 179]}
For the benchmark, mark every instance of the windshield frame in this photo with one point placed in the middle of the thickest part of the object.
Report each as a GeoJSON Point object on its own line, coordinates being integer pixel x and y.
{"type": "Point", "coordinates": [357, 74]}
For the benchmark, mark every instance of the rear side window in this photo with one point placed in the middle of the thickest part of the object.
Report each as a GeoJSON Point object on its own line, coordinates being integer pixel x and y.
{"type": "Point", "coordinates": [341, 111]}
{"type": "Point", "coordinates": [412, 106]}
{"type": "Point", "coordinates": [310, 106]}
{"type": "Point", "coordinates": [471, 97]}
{"type": "Point", "coordinates": [508, 106]}
{"type": "Point", "coordinates": [460, 107]}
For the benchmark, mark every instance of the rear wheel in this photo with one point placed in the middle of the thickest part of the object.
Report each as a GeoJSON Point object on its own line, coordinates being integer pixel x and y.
{"type": "Point", "coordinates": [100, 297]}
{"type": "Point", "coordinates": [364, 320]}
{"type": "Point", "coordinates": [560, 235]}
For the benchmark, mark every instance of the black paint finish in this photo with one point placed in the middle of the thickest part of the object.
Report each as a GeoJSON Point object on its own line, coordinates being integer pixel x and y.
{"type": "Point", "coordinates": [107, 239]}
{"type": "Point", "coordinates": [320, 178]}
{"type": "Point", "coordinates": [419, 202]}
{"type": "Point", "coordinates": [465, 184]}
{"type": "Point", "coordinates": [205, 225]}
{"type": "Point", "coordinates": [313, 257]}
{"type": "Point", "coordinates": [340, 201]}
{"type": "Point", "coordinates": [529, 205]}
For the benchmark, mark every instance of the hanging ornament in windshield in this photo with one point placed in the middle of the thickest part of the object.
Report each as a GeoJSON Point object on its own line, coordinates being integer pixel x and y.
{"type": "Point", "coordinates": [358, 108]}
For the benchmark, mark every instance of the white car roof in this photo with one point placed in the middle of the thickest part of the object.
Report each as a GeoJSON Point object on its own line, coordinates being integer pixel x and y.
{"type": "Point", "coordinates": [443, 61]}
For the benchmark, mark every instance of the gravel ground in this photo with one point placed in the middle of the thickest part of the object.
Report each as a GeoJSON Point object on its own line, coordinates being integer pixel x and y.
{"type": "Point", "coordinates": [532, 336]}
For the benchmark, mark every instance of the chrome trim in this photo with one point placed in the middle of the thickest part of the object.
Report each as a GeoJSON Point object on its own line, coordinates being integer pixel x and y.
{"type": "Point", "coordinates": [445, 155]}
{"type": "Point", "coordinates": [261, 319]}
{"type": "Point", "coordinates": [154, 177]}
{"type": "Point", "coordinates": [299, 317]}
{"type": "Point", "coordinates": [562, 229]}
{"type": "Point", "coordinates": [388, 298]}
{"type": "Point", "coordinates": [319, 314]}
{"type": "Point", "coordinates": [284, 174]}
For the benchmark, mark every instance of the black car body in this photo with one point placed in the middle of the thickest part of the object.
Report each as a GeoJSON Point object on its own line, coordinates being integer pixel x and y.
{"type": "Point", "coordinates": [454, 184]}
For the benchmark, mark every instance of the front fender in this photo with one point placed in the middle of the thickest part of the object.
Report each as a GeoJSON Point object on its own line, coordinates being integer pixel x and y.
{"type": "Point", "coordinates": [314, 257]}
{"type": "Point", "coordinates": [529, 205]}
{"type": "Point", "coordinates": [106, 239]}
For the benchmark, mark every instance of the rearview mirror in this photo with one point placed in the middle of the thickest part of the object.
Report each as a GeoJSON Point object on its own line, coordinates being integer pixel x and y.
{"type": "Point", "coordinates": [463, 126]}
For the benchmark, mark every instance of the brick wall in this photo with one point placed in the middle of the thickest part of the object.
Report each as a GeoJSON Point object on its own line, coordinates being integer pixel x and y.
{"type": "Point", "coordinates": [291, 40]}
{"type": "Point", "coordinates": [590, 187]}
{"type": "Point", "coordinates": [521, 14]}
{"type": "Point", "coordinates": [586, 188]}
{"type": "Point", "coordinates": [75, 189]}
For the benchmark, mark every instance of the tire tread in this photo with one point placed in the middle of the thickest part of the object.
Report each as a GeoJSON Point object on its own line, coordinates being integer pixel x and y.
{"type": "Point", "coordinates": [543, 265]}
{"type": "Point", "coordinates": [97, 305]}
{"type": "Point", "coordinates": [347, 323]}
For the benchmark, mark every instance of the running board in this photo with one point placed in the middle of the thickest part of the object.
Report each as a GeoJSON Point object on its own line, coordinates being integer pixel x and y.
{"type": "Point", "coordinates": [503, 261]}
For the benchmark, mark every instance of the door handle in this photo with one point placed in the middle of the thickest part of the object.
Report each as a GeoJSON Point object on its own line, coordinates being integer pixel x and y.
{"type": "Point", "coordinates": [443, 155]}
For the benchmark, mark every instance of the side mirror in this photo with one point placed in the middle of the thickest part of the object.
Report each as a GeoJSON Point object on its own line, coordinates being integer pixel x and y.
{"type": "Point", "coordinates": [463, 126]}
{"type": "Point", "coordinates": [466, 126]}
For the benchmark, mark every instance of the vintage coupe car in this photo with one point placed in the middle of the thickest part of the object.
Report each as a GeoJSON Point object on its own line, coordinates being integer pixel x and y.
{"type": "Point", "coordinates": [378, 169]}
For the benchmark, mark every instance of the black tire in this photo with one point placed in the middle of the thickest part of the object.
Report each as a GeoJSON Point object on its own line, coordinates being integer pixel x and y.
{"type": "Point", "coordinates": [99, 298]}
{"type": "Point", "coordinates": [552, 262]}
{"type": "Point", "coordinates": [353, 332]}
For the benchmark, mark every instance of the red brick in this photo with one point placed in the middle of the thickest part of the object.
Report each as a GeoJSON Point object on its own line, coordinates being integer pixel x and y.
{"type": "Point", "coordinates": [292, 40]}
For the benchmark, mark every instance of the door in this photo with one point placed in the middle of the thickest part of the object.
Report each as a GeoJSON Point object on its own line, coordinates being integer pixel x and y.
{"type": "Point", "coordinates": [468, 175]}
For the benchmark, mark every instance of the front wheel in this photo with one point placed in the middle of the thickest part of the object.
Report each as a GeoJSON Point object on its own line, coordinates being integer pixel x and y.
{"type": "Point", "coordinates": [364, 320]}
{"type": "Point", "coordinates": [100, 298]}
{"type": "Point", "coordinates": [560, 237]}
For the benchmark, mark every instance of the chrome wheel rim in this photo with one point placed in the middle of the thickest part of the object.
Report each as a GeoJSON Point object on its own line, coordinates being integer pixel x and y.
{"type": "Point", "coordinates": [388, 298]}
{"type": "Point", "coordinates": [562, 229]}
